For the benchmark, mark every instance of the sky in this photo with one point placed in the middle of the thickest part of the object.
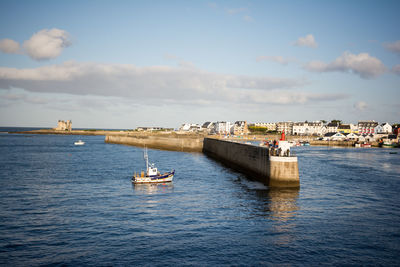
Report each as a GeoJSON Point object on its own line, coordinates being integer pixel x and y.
{"type": "Point", "coordinates": [125, 64]}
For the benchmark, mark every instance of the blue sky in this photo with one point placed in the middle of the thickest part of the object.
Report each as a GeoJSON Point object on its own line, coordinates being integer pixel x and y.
{"type": "Point", "coordinates": [123, 64]}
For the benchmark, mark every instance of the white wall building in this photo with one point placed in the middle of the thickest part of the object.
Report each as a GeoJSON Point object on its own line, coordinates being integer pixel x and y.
{"type": "Point", "coordinates": [338, 137]}
{"type": "Point", "coordinates": [366, 127]}
{"type": "Point", "coordinates": [223, 127]}
{"type": "Point", "coordinates": [387, 128]}
{"type": "Point", "coordinates": [189, 127]}
{"type": "Point", "coordinates": [309, 128]}
{"type": "Point", "coordinates": [239, 127]}
{"type": "Point", "coordinates": [286, 126]}
{"type": "Point", "coordinates": [332, 127]}
{"type": "Point", "coordinates": [208, 127]}
{"type": "Point", "coordinates": [352, 137]}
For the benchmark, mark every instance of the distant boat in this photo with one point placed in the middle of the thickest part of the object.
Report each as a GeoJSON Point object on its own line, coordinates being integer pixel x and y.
{"type": "Point", "coordinates": [362, 145]}
{"type": "Point", "coordinates": [152, 174]}
{"type": "Point", "coordinates": [79, 143]}
{"type": "Point", "coordinates": [389, 144]}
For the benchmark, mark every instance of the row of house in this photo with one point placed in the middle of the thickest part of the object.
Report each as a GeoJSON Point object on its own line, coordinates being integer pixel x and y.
{"type": "Point", "coordinates": [358, 137]}
{"type": "Point", "coordinates": [153, 129]}
{"type": "Point", "coordinates": [219, 127]}
{"type": "Point", "coordinates": [315, 128]}
{"type": "Point", "coordinates": [319, 128]}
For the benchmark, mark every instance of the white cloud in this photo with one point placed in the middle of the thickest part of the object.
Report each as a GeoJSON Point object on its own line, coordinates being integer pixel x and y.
{"type": "Point", "coordinates": [233, 11]}
{"type": "Point", "coordinates": [393, 47]}
{"type": "Point", "coordinates": [396, 69]}
{"type": "Point", "coordinates": [248, 18]}
{"type": "Point", "coordinates": [360, 106]}
{"type": "Point", "coordinates": [278, 59]}
{"type": "Point", "coordinates": [9, 46]}
{"type": "Point", "coordinates": [158, 84]}
{"type": "Point", "coordinates": [47, 44]}
{"type": "Point", "coordinates": [128, 79]}
{"type": "Point", "coordinates": [307, 40]}
{"type": "Point", "coordinates": [362, 64]}
{"type": "Point", "coordinates": [282, 97]}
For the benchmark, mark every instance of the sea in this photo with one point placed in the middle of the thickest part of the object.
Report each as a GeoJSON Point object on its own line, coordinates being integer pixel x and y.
{"type": "Point", "coordinates": [67, 205]}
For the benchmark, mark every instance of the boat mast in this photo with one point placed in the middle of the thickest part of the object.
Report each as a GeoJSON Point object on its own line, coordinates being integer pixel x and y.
{"type": "Point", "coordinates": [146, 157]}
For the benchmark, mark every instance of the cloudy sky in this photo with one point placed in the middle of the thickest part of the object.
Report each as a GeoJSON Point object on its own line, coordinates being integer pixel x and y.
{"type": "Point", "coordinates": [123, 64]}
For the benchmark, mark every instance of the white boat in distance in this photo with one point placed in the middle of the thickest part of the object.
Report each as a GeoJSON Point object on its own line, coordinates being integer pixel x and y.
{"type": "Point", "coordinates": [152, 174]}
{"type": "Point", "coordinates": [79, 143]}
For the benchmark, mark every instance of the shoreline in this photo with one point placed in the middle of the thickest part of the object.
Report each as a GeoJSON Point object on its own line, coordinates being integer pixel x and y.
{"type": "Point", "coordinates": [175, 141]}
{"type": "Point", "coordinates": [73, 132]}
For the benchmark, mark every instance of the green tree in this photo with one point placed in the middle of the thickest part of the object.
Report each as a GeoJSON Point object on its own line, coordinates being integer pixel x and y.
{"type": "Point", "coordinates": [257, 129]}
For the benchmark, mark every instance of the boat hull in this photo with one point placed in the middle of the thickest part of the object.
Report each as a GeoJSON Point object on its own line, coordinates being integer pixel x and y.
{"type": "Point", "coordinates": [163, 178]}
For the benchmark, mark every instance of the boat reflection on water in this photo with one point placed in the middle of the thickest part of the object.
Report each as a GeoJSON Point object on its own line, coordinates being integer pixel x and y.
{"type": "Point", "coordinates": [153, 188]}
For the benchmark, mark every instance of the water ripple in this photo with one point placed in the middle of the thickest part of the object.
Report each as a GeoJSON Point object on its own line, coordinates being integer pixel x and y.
{"type": "Point", "coordinates": [67, 205]}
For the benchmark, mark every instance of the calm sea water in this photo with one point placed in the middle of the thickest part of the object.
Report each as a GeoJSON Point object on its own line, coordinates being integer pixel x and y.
{"type": "Point", "coordinates": [75, 205]}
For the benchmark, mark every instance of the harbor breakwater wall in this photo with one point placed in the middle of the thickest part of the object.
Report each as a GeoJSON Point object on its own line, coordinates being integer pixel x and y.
{"type": "Point", "coordinates": [174, 143]}
{"type": "Point", "coordinates": [255, 161]}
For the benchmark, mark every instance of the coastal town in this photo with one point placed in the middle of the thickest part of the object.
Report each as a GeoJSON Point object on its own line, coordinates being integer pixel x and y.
{"type": "Point", "coordinates": [335, 130]}
{"type": "Point", "coordinates": [364, 133]}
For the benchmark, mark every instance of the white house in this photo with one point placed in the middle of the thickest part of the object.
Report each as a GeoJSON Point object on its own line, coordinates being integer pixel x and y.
{"type": "Point", "coordinates": [286, 126]}
{"type": "Point", "coordinates": [208, 127]}
{"type": "Point", "coordinates": [189, 127]}
{"type": "Point", "coordinates": [379, 129]}
{"type": "Point", "coordinates": [338, 137]}
{"type": "Point", "coordinates": [309, 128]}
{"type": "Point", "coordinates": [387, 128]}
{"type": "Point", "coordinates": [328, 136]}
{"type": "Point", "coordinates": [370, 138]}
{"type": "Point", "coordinates": [352, 137]}
{"type": "Point", "coordinates": [332, 127]}
{"type": "Point", "coordinates": [239, 127]}
{"type": "Point", "coordinates": [361, 138]}
{"type": "Point", "coordinates": [223, 127]}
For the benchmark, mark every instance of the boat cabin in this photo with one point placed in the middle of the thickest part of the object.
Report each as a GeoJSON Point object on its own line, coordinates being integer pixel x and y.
{"type": "Point", "coordinates": [152, 171]}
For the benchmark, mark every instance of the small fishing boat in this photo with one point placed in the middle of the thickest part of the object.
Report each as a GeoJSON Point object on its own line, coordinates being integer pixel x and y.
{"type": "Point", "coordinates": [366, 145]}
{"type": "Point", "coordinates": [389, 144]}
{"type": "Point", "coordinates": [79, 143]}
{"type": "Point", "coordinates": [152, 174]}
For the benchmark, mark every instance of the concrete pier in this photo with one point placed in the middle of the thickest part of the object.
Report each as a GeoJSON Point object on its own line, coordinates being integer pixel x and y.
{"type": "Point", "coordinates": [274, 171]}
{"type": "Point", "coordinates": [173, 143]}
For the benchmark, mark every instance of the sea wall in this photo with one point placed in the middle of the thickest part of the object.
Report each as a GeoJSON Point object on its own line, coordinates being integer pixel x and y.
{"type": "Point", "coordinates": [174, 143]}
{"type": "Point", "coordinates": [255, 161]}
